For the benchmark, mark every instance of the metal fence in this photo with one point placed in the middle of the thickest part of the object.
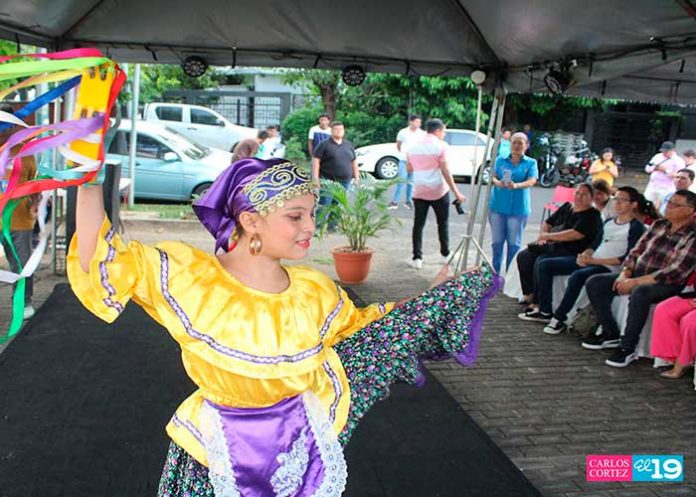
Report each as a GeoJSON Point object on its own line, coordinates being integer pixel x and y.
{"type": "Point", "coordinates": [634, 136]}
{"type": "Point", "coordinates": [247, 108]}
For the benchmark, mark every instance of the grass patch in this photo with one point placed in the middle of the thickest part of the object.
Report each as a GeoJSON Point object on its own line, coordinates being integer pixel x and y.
{"type": "Point", "coordinates": [167, 211]}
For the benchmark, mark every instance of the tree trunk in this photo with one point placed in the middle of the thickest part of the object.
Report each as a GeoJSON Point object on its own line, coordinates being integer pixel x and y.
{"type": "Point", "coordinates": [328, 93]}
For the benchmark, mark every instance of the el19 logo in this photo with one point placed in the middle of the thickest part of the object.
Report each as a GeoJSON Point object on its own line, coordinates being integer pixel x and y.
{"type": "Point", "coordinates": [658, 468]}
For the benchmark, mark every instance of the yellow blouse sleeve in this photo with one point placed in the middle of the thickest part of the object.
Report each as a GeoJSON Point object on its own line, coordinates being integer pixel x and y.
{"type": "Point", "coordinates": [351, 319]}
{"type": "Point", "coordinates": [117, 273]}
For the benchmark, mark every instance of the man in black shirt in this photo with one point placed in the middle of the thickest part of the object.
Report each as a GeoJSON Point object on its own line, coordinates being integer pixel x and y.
{"type": "Point", "coordinates": [334, 159]}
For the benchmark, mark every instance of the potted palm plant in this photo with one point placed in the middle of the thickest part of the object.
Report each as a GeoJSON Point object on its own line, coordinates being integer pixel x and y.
{"type": "Point", "coordinates": [359, 214]}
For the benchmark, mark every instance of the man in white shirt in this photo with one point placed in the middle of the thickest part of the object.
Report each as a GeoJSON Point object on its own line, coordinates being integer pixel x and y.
{"type": "Point", "coordinates": [662, 168]}
{"type": "Point", "coordinates": [407, 136]}
{"type": "Point", "coordinates": [318, 133]}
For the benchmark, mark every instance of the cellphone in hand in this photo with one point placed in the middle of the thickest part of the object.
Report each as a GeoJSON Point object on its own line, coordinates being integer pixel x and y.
{"type": "Point", "coordinates": [507, 176]}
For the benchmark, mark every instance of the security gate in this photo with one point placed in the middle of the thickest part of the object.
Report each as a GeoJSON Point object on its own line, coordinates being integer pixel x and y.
{"type": "Point", "coordinates": [256, 109]}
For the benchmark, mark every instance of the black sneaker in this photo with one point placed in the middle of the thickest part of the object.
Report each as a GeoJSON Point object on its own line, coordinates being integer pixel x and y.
{"type": "Point", "coordinates": [554, 327]}
{"type": "Point", "coordinates": [534, 314]}
{"type": "Point", "coordinates": [621, 358]}
{"type": "Point", "coordinates": [599, 342]}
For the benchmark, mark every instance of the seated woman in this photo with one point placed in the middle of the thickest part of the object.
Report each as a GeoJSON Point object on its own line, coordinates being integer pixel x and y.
{"type": "Point", "coordinates": [674, 333]}
{"type": "Point", "coordinates": [602, 199]}
{"type": "Point", "coordinates": [567, 232]}
{"type": "Point", "coordinates": [619, 236]}
{"type": "Point", "coordinates": [646, 212]}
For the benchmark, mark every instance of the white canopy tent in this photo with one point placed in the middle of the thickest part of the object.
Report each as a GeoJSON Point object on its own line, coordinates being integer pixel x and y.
{"type": "Point", "coordinates": [634, 49]}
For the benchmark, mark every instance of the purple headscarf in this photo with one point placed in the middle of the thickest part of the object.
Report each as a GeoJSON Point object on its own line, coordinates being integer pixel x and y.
{"type": "Point", "coordinates": [248, 185]}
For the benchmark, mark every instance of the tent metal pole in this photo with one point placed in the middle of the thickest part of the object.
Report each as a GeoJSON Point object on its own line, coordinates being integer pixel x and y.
{"type": "Point", "coordinates": [476, 179]}
{"type": "Point", "coordinates": [499, 102]}
{"type": "Point", "coordinates": [55, 157]}
{"type": "Point", "coordinates": [133, 135]}
{"type": "Point", "coordinates": [478, 127]}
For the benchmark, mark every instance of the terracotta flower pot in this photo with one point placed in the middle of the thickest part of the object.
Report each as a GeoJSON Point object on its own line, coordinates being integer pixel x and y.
{"type": "Point", "coordinates": [352, 267]}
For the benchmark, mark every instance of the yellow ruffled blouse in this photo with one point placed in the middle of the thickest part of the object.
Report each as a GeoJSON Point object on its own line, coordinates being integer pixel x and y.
{"type": "Point", "coordinates": [240, 346]}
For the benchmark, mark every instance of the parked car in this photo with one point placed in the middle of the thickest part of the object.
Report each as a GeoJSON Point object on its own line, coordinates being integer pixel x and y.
{"type": "Point", "coordinates": [382, 159]}
{"type": "Point", "coordinates": [200, 124]}
{"type": "Point", "coordinates": [168, 166]}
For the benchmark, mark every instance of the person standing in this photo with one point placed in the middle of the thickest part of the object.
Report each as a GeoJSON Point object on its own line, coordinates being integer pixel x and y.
{"type": "Point", "coordinates": [504, 149]}
{"type": "Point", "coordinates": [605, 169]}
{"type": "Point", "coordinates": [23, 219]}
{"type": "Point", "coordinates": [662, 168]}
{"type": "Point", "coordinates": [268, 149]}
{"type": "Point", "coordinates": [334, 159]}
{"type": "Point", "coordinates": [249, 147]}
{"type": "Point", "coordinates": [432, 182]}
{"type": "Point", "coordinates": [318, 133]}
{"type": "Point", "coordinates": [511, 202]}
{"type": "Point", "coordinates": [409, 134]}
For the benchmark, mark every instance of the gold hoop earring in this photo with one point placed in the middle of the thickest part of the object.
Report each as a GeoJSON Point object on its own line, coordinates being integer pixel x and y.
{"type": "Point", "coordinates": [255, 244]}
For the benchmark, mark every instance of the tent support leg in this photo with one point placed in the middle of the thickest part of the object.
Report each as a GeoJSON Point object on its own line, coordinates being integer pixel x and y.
{"type": "Point", "coordinates": [477, 183]}
{"type": "Point", "coordinates": [499, 102]}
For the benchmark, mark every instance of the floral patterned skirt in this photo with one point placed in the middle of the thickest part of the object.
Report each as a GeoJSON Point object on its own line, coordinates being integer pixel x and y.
{"type": "Point", "coordinates": [443, 322]}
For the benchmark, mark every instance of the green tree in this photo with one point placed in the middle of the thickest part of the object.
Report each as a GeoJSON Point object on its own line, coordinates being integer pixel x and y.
{"type": "Point", "coordinates": [322, 82]}
{"type": "Point", "coordinates": [9, 48]}
{"type": "Point", "coordinates": [156, 79]}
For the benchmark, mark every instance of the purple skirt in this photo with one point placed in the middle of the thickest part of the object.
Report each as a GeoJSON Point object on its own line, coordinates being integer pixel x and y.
{"type": "Point", "coordinates": [441, 323]}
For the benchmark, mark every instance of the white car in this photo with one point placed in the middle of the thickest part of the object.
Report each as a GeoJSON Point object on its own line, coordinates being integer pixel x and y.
{"type": "Point", "coordinates": [382, 159]}
{"type": "Point", "coordinates": [200, 124]}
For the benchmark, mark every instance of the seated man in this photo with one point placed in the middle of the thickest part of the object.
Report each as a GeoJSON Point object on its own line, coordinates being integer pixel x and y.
{"type": "Point", "coordinates": [569, 231]}
{"type": "Point", "coordinates": [619, 236]}
{"type": "Point", "coordinates": [656, 269]}
{"type": "Point", "coordinates": [682, 181]}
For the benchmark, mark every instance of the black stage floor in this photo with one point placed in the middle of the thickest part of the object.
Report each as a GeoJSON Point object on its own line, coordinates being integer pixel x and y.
{"type": "Point", "coordinates": [83, 407]}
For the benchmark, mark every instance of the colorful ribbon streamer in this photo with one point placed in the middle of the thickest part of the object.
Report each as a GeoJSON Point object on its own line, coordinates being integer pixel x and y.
{"type": "Point", "coordinates": [73, 66]}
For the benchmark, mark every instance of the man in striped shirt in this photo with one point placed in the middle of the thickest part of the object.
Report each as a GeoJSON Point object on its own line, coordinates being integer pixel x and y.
{"type": "Point", "coordinates": [657, 268]}
{"type": "Point", "coordinates": [432, 182]}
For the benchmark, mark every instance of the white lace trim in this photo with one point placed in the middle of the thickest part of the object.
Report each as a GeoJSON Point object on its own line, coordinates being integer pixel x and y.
{"type": "Point", "coordinates": [219, 466]}
{"type": "Point", "coordinates": [335, 469]}
{"type": "Point", "coordinates": [293, 465]}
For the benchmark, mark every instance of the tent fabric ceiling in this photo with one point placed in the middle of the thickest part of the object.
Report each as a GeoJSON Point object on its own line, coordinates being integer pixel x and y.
{"type": "Point", "coordinates": [611, 40]}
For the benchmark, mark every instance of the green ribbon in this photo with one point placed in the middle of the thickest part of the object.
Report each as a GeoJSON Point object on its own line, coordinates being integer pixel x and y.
{"type": "Point", "coordinates": [20, 290]}
{"type": "Point", "coordinates": [31, 68]}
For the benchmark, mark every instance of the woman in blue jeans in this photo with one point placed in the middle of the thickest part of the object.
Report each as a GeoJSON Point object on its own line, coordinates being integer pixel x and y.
{"type": "Point", "coordinates": [619, 236]}
{"type": "Point", "coordinates": [511, 203]}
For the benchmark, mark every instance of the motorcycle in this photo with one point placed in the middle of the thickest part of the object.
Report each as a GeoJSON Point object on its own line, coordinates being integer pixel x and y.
{"type": "Point", "coordinates": [547, 161]}
{"type": "Point", "coordinates": [571, 170]}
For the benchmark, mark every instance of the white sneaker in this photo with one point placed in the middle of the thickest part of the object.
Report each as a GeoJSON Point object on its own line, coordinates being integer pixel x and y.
{"type": "Point", "coordinates": [444, 259]}
{"type": "Point", "coordinates": [392, 206]}
{"type": "Point", "coordinates": [554, 327]}
{"type": "Point", "coordinates": [29, 311]}
{"type": "Point", "coordinates": [416, 263]}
